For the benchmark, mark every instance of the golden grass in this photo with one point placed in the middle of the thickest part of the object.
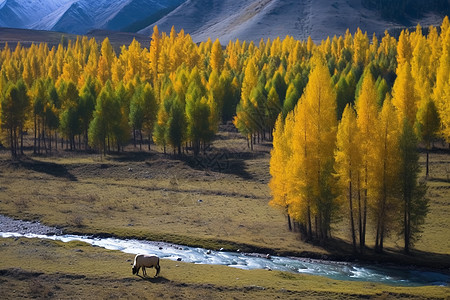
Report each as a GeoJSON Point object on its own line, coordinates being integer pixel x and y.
{"type": "Point", "coordinates": [152, 196]}
{"type": "Point", "coordinates": [48, 269]}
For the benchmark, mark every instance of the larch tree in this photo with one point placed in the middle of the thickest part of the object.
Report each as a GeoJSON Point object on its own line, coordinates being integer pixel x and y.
{"type": "Point", "coordinates": [177, 125]}
{"type": "Point", "coordinates": [14, 106]}
{"type": "Point", "coordinates": [216, 59]}
{"type": "Point", "coordinates": [403, 94]}
{"type": "Point", "coordinates": [427, 126]}
{"type": "Point", "coordinates": [367, 117]}
{"type": "Point", "coordinates": [383, 184]}
{"type": "Point", "coordinates": [279, 158]}
{"type": "Point", "coordinates": [348, 164]}
{"type": "Point", "coordinates": [299, 186]}
{"type": "Point", "coordinates": [415, 203]}
{"type": "Point", "coordinates": [320, 111]}
{"type": "Point", "coordinates": [150, 110]}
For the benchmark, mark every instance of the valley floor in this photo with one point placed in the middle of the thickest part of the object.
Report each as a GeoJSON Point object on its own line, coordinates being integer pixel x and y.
{"type": "Point", "coordinates": [218, 200]}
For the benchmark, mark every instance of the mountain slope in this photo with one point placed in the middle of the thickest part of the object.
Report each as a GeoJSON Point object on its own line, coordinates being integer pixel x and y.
{"type": "Point", "coordinates": [256, 19]}
{"type": "Point", "coordinates": [23, 13]}
{"type": "Point", "coordinates": [79, 16]}
{"type": "Point", "coordinates": [203, 19]}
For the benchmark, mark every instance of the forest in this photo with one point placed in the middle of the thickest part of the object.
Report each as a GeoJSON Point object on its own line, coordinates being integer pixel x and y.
{"type": "Point", "coordinates": [346, 116]}
{"type": "Point", "coordinates": [406, 8]}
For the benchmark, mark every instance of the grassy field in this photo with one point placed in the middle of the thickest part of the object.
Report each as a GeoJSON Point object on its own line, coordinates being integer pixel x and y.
{"type": "Point", "coordinates": [218, 200]}
{"type": "Point", "coordinates": [41, 269]}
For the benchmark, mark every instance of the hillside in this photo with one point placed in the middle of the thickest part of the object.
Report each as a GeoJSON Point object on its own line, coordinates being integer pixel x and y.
{"type": "Point", "coordinates": [203, 19]}
{"type": "Point", "coordinates": [256, 19]}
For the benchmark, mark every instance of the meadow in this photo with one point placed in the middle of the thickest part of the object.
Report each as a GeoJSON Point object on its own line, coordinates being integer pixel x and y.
{"type": "Point", "coordinates": [217, 200]}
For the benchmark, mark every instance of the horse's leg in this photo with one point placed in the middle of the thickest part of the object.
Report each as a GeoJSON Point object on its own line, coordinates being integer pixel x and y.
{"type": "Point", "coordinates": [157, 267]}
{"type": "Point", "coordinates": [144, 272]}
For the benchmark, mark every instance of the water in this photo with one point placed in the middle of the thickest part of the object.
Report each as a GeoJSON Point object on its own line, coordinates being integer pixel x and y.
{"type": "Point", "coordinates": [397, 276]}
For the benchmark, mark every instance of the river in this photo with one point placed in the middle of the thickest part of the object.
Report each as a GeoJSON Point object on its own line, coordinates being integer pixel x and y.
{"type": "Point", "coordinates": [392, 275]}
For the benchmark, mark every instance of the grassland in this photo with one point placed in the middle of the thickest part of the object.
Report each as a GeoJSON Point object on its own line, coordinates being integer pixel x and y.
{"type": "Point", "coordinates": [218, 200]}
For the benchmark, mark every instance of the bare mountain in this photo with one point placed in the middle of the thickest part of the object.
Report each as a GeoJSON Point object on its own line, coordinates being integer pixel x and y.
{"type": "Point", "coordinates": [222, 19]}
{"type": "Point", "coordinates": [256, 19]}
{"type": "Point", "coordinates": [81, 16]}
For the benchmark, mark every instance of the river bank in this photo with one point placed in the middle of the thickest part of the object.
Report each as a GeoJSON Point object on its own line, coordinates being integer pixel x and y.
{"type": "Point", "coordinates": [339, 270]}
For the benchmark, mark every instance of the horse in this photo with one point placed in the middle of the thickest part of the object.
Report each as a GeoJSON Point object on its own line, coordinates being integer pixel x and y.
{"type": "Point", "coordinates": [145, 261]}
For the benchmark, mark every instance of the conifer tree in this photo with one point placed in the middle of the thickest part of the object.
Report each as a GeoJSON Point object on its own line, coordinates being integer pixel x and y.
{"type": "Point", "coordinates": [216, 60]}
{"type": "Point", "coordinates": [415, 203]}
{"type": "Point", "coordinates": [320, 109]}
{"type": "Point", "coordinates": [403, 94]}
{"type": "Point", "coordinates": [348, 164]}
{"type": "Point", "coordinates": [279, 158]}
{"type": "Point", "coordinates": [383, 184]}
{"type": "Point", "coordinates": [367, 118]}
{"type": "Point", "coordinates": [427, 126]}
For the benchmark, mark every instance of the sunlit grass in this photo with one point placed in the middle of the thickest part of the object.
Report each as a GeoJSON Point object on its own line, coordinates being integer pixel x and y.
{"type": "Point", "coordinates": [78, 270]}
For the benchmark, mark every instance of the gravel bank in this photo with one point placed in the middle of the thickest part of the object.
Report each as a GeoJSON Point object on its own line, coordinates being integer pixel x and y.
{"type": "Point", "coordinates": [8, 224]}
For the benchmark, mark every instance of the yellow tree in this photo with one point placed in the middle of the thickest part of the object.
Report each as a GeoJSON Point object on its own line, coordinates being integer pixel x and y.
{"type": "Point", "coordinates": [404, 51]}
{"type": "Point", "coordinates": [155, 49]}
{"type": "Point", "coordinates": [442, 80]}
{"type": "Point", "coordinates": [403, 94]}
{"type": "Point", "coordinates": [348, 163]}
{"type": "Point", "coordinates": [383, 183]}
{"type": "Point", "coordinates": [216, 59]}
{"type": "Point", "coordinates": [320, 112]}
{"type": "Point", "coordinates": [367, 118]}
{"type": "Point", "coordinates": [279, 158]}
{"type": "Point", "coordinates": [245, 119]}
{"type": "Point", "coordinates": [444, 113]}
{"type": "Point", "coordinates": [360, 47]}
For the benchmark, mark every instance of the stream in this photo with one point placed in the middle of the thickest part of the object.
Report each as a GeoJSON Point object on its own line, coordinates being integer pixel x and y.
{"type": "Point", "coordinates": [392, 275]}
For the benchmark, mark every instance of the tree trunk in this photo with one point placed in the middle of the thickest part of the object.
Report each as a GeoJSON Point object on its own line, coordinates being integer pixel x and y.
{"type": "Point", "coordinates": [35, 135]}
{"type": "Point", "coordinates": [289, 222]}
{"type": "Point", "coordinates": [352, 222]}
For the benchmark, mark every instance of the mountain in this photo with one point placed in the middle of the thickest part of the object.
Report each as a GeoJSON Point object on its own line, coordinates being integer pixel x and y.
{"type": "Point", "coordinates": [222, 19]}
{"type": "Point", "coordinates": [23, 13]}
{"type": "Point", "coordinates": [256, 19]}
{"type": "Point", "coordinates": [81, 16]}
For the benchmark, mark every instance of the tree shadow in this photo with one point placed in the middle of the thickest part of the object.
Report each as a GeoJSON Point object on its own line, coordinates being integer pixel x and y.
{"type": "Point", "coordinates": [342, 250]}
{"type": "Point", "coordinates": [48, 168]}
{"type": "Point", "coordinates": [222, 162]}
{"type": "Point", "coordinates": [139, 156]}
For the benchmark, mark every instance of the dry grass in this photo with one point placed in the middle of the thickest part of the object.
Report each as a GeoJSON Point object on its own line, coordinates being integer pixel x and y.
{"type": "Point", "coordinates": [33, 268]}
{"type": "Point", "coordinates": [213, 202]}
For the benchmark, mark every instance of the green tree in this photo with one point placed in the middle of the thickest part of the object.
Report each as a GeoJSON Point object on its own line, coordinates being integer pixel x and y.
{"type": "Point", "coordinates": [14, 106]}
{"type": "Point", "coordinates": [86, 107]}
{"type": "Point", "coordinates": [69, 119]}
{"type": "Point", "coordinates": [177, 125]}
